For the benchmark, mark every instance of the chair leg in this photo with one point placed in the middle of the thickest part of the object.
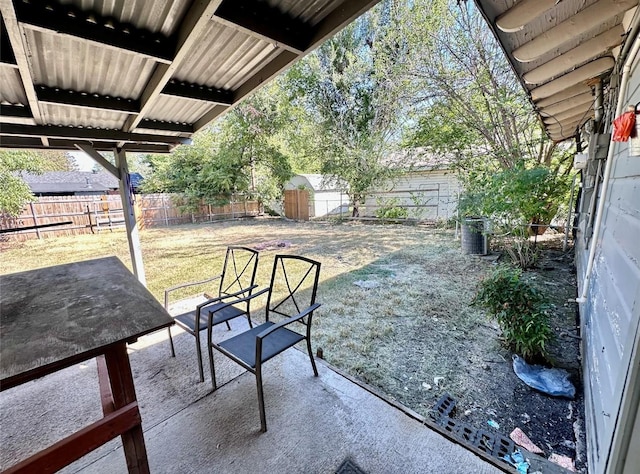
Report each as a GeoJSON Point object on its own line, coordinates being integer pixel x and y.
{"type": "Point", "coordinates": [228, 327]}
{"type": "Point", "coordinates": [263, 417]}
{"type": "Point", "coordinates": [313, 362]}
{"type": "Point", "coordinates": [173, 350]}
{"type": "Point", "coordinates": [199, 351]}
{"type": "Point", "coordinates": [211, 366]}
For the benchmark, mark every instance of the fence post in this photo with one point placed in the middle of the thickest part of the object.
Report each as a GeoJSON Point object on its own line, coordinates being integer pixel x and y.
{"type": "Point", "coordinates": [35, 219]}
{"type": "Point", "coordinates": [89, 217]}
{"type": "Point", "coordinates": [164, 209]}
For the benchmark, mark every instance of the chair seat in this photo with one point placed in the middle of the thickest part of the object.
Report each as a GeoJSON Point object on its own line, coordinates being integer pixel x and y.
{"type": "Point", "coordinates": [243, 346]}
{"type": "Point", "coordinates": [188, 319]}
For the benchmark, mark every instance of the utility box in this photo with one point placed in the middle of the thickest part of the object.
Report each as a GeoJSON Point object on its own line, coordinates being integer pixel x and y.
{"type": "Point", "coordinates": [475, 235]}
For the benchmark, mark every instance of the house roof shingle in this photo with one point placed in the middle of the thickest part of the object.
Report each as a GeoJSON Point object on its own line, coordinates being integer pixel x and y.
{"type": "Point", "coordinates": [70, 182]}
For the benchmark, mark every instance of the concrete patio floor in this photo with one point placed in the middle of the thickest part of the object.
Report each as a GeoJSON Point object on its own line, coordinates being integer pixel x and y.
{"type": "Point", "coordinates": [314, 423]}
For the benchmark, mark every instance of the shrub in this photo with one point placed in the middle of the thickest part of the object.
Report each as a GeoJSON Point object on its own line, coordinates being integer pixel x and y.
{"type": "Point", "coordinates": [392, 210]}
{"type": "Point", "coordinates": [520, 310]}
{"type": "Point", "coordinates": [523, 253]}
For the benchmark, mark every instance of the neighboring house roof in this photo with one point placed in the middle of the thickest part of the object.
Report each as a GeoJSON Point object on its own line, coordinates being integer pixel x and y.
{"type": "Point", "coordinates": [70, 182]}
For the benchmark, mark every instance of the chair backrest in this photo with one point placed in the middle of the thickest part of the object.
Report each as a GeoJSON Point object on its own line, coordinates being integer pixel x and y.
{"type": "Point", "coordinates": [294, 285]}
{"type": "Point", "coordinates": [239, 270]}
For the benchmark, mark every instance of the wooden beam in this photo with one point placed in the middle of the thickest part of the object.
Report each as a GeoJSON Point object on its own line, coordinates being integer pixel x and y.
{"type": "Point", "coordinates": [61, 144]}
{"type": "Point", "coordinates": [53, 95]}
{"type": "Point", "coordinates": [73, 447]}
{"type": "Point", "coordinates": [165, 126]}
{"type": "Point", "coordinates": [259, 19]}
{"type": "Point", "coordinates": [565, 62]}
{"type": "Point", "coordinates": [17, 41]}
{"type": "Point", "coordinates": [15, 111]}
{"type": "Point", "coordinates": [196, 21]}
{"type": "Point", "coordinates": [133, 236]}
{"type": "Point", "coordinates": [516, 17]}
{"type": "Point", "coordinates": [83, 134]}
{"type": "Point", "coordinates": [583, 21]}
{"type": "Point", "coordinates": [198, 92]}
{"type": "Point", "coordinates": [55, 17]}
{"type": "Point", "coordinates": [584, 73]}
{"type": "Point", "coordinates": [584, 98]}
{"type": "Point", "coordinates": [98, 158]}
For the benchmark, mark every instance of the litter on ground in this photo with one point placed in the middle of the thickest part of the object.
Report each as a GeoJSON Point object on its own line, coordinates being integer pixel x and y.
{"type": "Point", "coordinates": [523, 440]}
{"type": "Point", "coordinates": [554, 382]}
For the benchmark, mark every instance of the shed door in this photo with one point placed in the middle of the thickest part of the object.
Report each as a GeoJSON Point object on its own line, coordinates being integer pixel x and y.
{"type": "Point", "coordinates": [296, 204]}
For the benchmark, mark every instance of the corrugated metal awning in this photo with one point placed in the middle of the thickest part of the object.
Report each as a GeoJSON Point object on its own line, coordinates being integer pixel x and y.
{"type": "Point", "coordinates": [562, 51]}
{"type": "Point", "coordinates": [144, 75]}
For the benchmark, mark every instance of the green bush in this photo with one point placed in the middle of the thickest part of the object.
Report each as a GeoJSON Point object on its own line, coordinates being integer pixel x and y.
{"type": "Point", "coordinates": [515, 198]}
{"type": "Point", "coordinates": [391, 210]}
{"type": "Point", "coordinates": [520, 310]}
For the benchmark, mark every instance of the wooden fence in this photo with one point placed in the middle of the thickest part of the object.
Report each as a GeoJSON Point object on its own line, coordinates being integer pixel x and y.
{"type": "Point", "coordinates": [93, 214]}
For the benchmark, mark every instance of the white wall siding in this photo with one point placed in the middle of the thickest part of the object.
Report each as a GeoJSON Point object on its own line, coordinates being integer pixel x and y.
{"type": "Point", "coordinates": [611, 315]}
{"type": "Point", "coordinates": [429, 195]}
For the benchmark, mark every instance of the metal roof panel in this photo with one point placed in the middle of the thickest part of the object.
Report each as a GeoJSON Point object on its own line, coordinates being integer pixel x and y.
{"type": "Point", "coordinates": [159, 16]}
{"type": "Point", "coordinates": [70, 63]}
{"type": "Point", "coordinates": [78, 117]}
{"type": "Point", "coordinates": [178, 109]}
{"type": "Point", "coordinates": [12, 91]}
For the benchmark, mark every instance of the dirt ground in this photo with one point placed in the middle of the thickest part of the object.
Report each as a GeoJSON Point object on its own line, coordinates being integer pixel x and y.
{"type": "Point", "coordinates": [405, 325]}
{"type": "Point", "coordinates": [395, 313]}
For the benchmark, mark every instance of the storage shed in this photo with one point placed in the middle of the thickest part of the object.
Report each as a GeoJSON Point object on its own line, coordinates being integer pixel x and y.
{"type": "Point", "coordinates": [326, 198]}
{"type": "Point", "coordinates": [426, 188]}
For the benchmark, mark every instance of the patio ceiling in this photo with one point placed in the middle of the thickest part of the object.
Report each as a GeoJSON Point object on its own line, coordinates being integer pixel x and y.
{"type": "Point", "coordinates": [560, 50]}
{"type": "Point", "coordinates": [144, 75]}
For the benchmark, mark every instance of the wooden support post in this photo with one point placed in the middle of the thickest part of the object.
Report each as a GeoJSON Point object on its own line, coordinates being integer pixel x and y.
{"type": "Point", "coordinates": [129, 215]}
{"type": "Point", "coordinates": [123, 393]}
{"type": "Point", "coordinates": [35, 219]}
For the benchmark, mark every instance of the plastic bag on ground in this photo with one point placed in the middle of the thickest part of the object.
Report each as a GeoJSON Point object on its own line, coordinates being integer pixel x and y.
{"type": "Point", "coordinates": [554, 382]}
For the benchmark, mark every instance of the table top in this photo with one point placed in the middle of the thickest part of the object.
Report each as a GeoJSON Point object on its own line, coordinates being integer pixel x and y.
{"type": "Point", "coordinates": [53, 317]}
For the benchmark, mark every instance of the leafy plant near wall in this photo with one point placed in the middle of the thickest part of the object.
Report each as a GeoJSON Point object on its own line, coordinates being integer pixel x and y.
{"type": "Point", "coordinates": [520, 310]}
{"type": "Point", "coordinates": [516, 198]}
{"type": "Point", "coordinates": [391, 209]}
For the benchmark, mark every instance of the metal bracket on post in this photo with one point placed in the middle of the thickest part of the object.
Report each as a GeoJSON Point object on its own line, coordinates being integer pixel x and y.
{"type": "Point", "coordinates": [126, 195]}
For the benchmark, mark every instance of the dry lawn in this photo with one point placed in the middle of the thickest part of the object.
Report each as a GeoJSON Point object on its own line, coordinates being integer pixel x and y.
{"type": "Point", "coordinates": [412, 333]}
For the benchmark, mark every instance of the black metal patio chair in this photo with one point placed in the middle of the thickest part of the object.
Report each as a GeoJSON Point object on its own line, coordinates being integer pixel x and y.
{"type": "Point", "coordinates": [236, 282]}
{"type": "Point", "coordinates": [292, 295]}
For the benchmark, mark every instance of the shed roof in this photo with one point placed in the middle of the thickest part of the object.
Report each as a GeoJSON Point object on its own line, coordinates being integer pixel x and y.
{"type": "Point", "coordinates": [316, 182]}
{"type": "Point", "coordinates": [70, 181]}
{"type": "Point", "coordinates": [144, 75]}
{"type": "Point", "coordinates": [561, 50]}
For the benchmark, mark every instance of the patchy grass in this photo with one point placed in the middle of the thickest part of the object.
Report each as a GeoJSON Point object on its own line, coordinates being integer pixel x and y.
{"type": "Point", "coordinates": [414, 335]}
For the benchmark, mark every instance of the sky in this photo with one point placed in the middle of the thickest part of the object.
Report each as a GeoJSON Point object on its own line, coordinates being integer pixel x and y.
{"type": "Point", "coordinates": [84, 162]}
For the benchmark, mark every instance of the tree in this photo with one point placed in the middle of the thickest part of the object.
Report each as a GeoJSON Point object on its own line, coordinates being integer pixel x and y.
{"type": "Point", "coordinates": [470, 106]}
{"type": "Point", "coordinates": [14, 192]}
{"type": "Point", "coordinates": [240, 154]}
{"type": "Point", "coordinates": [352, 91]}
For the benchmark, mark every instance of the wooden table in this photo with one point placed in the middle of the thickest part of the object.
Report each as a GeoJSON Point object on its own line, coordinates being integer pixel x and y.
{"type": "Point", "coordinates": [56, 317]}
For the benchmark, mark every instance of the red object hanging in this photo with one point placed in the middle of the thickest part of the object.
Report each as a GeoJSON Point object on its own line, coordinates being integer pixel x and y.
{"type": "Point", "coordinates": [623, 126]}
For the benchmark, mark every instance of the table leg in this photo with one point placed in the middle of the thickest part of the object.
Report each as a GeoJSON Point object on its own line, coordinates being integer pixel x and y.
{"type": "Point", "coordinates": [123, 393]}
